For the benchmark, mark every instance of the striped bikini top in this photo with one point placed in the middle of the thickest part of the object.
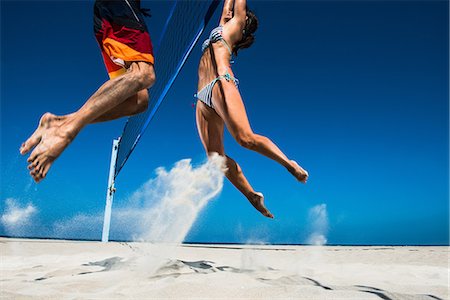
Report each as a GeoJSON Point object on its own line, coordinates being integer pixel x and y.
{"type": "Point", "coordinates": [215, 36]}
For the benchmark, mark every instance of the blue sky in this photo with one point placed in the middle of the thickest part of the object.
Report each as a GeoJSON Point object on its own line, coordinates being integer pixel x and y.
{"type": "Point", "coordinates": [355, 91]}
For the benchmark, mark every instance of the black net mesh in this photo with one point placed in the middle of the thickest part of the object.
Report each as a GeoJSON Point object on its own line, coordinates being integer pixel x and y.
{"type": "Point", "coordinates": [184, 26]}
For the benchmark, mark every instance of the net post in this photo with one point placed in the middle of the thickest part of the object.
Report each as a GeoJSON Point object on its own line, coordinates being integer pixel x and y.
{"type": "Point", "coordinates": [110, 191]}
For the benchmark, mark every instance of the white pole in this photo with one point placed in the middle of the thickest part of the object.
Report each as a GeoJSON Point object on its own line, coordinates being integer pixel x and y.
{"type": "Point", "coordinates": [110, 191]}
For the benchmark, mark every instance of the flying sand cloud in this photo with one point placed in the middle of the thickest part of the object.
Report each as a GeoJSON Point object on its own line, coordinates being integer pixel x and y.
{"type": "Point", "coordinates": [162, 210]}
{"type": "Point", "coordinates": [318, 220]}
{"type": "Point", "coordinates": [17, 219]}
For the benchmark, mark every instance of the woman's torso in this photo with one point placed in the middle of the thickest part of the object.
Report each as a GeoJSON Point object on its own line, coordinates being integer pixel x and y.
{"type": "Point", "coordinates": [216, 58]}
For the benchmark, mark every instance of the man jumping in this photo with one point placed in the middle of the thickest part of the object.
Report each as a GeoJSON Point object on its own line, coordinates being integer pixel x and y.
{"type": "Point", "coordinates": [128, 55]}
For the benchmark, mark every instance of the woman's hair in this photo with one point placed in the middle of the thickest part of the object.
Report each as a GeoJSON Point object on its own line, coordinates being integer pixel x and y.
{"type": "Point", "coordinates": [251, 24]}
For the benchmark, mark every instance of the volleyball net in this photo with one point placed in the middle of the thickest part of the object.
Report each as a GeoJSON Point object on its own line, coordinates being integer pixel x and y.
{"type": "Point", "coordinates": [185, 24]}
{"type": "Point", "coordinates": [186, 21]}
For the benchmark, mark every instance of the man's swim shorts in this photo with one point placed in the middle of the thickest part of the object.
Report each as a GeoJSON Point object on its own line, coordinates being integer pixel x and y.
{"type": "Point", "coordinates": [122, 34]}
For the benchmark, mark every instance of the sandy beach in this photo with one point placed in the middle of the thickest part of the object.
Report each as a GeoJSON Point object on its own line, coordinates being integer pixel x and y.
{"type": "Point", "coordinates": [54, 269]}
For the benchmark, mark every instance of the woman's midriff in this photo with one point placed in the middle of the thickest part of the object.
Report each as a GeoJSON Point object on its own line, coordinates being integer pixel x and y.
{"type": "Point", "coordinates": [207, 70]}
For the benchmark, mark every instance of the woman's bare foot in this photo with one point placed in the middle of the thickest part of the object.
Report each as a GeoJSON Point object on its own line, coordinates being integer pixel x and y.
{"type": "Point", "coordinates": [257, 200]}
{"type": "Point", "coordinates": [298, 172]}
{"type": "Point", "coordinates": [49, 140]}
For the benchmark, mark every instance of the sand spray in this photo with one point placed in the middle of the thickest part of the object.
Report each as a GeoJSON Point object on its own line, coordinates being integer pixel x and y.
{"type": "Point", "coordinates": [253, 260]}
{"type": "Point", "coordinates": [165, 208]}
{"type": "Point", "coordinates": [16, 218]}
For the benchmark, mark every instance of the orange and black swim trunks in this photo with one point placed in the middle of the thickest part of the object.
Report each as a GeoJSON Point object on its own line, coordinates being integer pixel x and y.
{"type": "Point", "coordinates": [121, 32]}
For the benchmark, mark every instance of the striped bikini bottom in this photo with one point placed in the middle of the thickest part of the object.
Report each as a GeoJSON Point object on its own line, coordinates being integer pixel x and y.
{"type": "Point", "coordinates": [205, 94]}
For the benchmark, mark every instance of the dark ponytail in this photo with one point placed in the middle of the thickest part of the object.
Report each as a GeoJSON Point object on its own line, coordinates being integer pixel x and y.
{"type": "Point", "coordinates": [248, 37]}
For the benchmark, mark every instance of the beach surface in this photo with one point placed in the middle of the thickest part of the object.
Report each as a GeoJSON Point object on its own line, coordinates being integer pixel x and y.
{"type": "Point", "coordinates": [55, 269]}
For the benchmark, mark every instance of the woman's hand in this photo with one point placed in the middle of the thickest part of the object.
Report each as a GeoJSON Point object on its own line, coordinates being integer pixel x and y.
{"type": "Point", "coordinates": [227, 12]}
{"type": "Point", "coordinates": [240, 11]}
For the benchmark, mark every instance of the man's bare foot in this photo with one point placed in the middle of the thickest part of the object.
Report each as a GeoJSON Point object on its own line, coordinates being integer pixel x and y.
{"type": "Point", "coordinates": [50, 139]}
{"type": "Point", "coordinates": [299, 173]}
{"type": "Point", "coordinates": [257, 200]}
{"type": "Point", "coordinates": [47, 120]}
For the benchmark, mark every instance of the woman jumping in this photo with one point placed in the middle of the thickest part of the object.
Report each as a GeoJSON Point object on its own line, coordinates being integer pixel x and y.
{"type": "Point", "coordinates": [221, 103]}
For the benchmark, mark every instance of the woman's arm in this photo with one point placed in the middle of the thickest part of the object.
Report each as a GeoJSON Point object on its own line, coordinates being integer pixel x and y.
{"type": "Point", "coordinates": [240, 10]}
{"type": "Point", "coordinates": [226, 11]}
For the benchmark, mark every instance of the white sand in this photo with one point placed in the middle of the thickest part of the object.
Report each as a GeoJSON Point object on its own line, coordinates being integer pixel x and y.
{"type": "Point", "coordinates": [49, 269]}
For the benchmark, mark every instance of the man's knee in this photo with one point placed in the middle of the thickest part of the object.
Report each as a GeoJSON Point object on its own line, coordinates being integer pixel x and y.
{"type": "Point", "coordinates": [142, 101]}
{"type": "Point", "coordinates": [149, 76]}
{"type": "Point", "coordinates": [142, 73]}
{"type": "Point", "coordinates": [145, 75]}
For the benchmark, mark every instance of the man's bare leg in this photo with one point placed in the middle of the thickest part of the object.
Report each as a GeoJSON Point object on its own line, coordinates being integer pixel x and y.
{"type": "Point", "coordinates": [55, 133]}
{"type": "Point", "coordinates": [134, 105]}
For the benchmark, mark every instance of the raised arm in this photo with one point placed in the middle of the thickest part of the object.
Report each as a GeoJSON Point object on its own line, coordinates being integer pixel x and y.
{"type": "Point", "coordinates": [227, 12]}
{"type": "Point", "coordinates": [240, 10]}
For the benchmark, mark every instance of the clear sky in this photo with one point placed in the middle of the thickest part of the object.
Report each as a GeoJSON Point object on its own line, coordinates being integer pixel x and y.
{"type": "Point", "coordinates": [355, 91]}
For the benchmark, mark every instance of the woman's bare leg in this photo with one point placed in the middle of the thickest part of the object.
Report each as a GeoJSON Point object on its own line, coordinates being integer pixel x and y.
{"type": "Point", "coordinates": [237, 178]}
{"type": "Point", "coordinates": [231, 109]}
{"type": "Point", "coordinates": [210, 127]}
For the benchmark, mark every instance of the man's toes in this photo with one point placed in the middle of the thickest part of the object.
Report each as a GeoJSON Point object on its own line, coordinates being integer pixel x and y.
{"type": "Point", "coordinates": [33, 165]}
{"type": "Point", "coordinates": [37, 177]}
{"type": "Point", "coordinates": [34, 175]}
{"type": "Point", "coordinates": [45, 170]}
{"type": "Point", "coordinates": [40, 176]}
{"type": "Point", "coordinates": [40, 172]}
{"type": "Point", "coordinates": [305, 177]}
{"type": "Point", "coordinates": [37, 174]}
{"type": "Point", "coordinates": [29, 144]}
{"type": "Point", "coordinates": [267, 213]}
{"type": "Point", "coordinates": [25, 148]}
{"type": "Point", "coordinates": [31, 158]}
{"type": "Point", "coordinates": [33, 155]}
{"type": "Point", "coordinates": [33, 172]}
